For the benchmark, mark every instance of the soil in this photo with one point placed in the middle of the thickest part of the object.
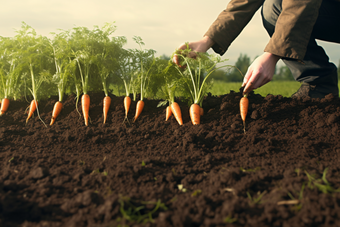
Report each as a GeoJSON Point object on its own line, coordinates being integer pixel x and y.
{"type": "Point", "coordinates": [283, 171]}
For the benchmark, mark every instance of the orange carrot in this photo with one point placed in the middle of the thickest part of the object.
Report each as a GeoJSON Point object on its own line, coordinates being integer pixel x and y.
{"type": "Point", "coordinates": [195, 114]}
{"type": "Point", "coordinates": [4, 105]}
{"type": "Point", "coordinates": [127, 103]}
{"type": "Point", "coordinates": [56, 111]}
{"type": "Point", "coordinates": [176, 110]}
{"type": "Point", "coordinates": [33, 107]}
{"type": "Point", "coordinates": [106, 106]}
{"type": "Point", "coordinates": [168, 113]}
{"type": "Point", "coordinates": [85, 105]}
{"type": "Point", "coordinates": [244, 103]}
{"type": "Point", "coordinates": [139, 108]}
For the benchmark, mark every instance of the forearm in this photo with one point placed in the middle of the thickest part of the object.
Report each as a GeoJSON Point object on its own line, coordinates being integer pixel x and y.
{"type": "Point", "coordinates": [204, 44]}
{"type": "Point", "coordinates": [231, 22]}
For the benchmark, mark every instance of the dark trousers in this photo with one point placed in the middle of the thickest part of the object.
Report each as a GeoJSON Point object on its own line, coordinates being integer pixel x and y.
{"type": "Point", "coordinates": [315, 68]}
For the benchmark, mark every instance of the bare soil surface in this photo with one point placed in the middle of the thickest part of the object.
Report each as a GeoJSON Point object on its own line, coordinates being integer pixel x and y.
{"type": "Point", "coordinates": [284, 171]}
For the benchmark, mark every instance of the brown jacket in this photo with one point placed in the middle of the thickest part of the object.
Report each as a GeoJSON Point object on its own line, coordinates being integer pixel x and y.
{"type": "Point", "coordinates": [292, 31]}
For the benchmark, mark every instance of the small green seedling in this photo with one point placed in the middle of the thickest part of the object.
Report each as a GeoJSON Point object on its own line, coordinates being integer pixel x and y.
{"type": "Point", "coordinates": [173, 171]}
{"type": "Point", "coordinates": [95, 171]}
{"type": "Point", "coordinates": [256, 200]}
{"type": "Point", "coordinates": [196, 192]}
{"type": "Point", "coordinates": [298, 171]}
{"type": "Point", "coordinates": [321, 184]}
{"type": "Point", "coordinates": [137, 212]}
{"type": "Point", "coordinates": [250, 170]}
{"type": "Point", "coordinates": [298, 204]}
{"type": "Point", "coordinates": [229, 219]}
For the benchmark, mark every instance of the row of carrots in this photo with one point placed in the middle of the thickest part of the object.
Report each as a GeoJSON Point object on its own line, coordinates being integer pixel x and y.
{"type": "Point", "coordinates": [195, 110]}
{"type": "Point", "coordinates": [85, 104]}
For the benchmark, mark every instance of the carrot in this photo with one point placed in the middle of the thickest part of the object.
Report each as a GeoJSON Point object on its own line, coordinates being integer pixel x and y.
{"type": "Point", "coordinates": [56, 111]}
{"type": "Point", "coordinates": [85, 105]}
{"type": "Point", "coordinates": [168, 113]}
{"type": "Point", "coordinates": [244, 103]}
{"type": "Point", "coordinates": [33, 107]}
{"type": "Point", "coordinates": [139, 108]}
{"type": "Point", "coordinates": [4, 105]}
{"type": "Point", "coordinates": [106, 106]}
{"type": "Point", "coordinates": [176, 110]}
{"type": "Point", "coordinates": [127, 103]}
{"type": "Point", "coordinates": [194, 113]}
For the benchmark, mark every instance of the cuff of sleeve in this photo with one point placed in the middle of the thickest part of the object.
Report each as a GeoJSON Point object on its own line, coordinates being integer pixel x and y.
{"type": "Point", "coordinates": [218, 47]}
{"type": "Point", "coordinates": [285, 49]}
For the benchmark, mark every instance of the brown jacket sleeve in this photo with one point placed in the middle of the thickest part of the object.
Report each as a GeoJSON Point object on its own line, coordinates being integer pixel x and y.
{"type": "Point", "coordinates": [292, 31]}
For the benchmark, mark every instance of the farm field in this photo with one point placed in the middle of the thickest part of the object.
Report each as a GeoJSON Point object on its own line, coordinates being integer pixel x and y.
{"type": "Point", "coordinates": [284, 171]}
{"type": "Point", "coordinates": [284, 88]}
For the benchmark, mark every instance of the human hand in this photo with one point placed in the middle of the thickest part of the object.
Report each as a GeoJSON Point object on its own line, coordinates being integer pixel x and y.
{"type": "Point", "coordinates": [260, 72]}
{"type": "Point", "coordinates": [201, 45]}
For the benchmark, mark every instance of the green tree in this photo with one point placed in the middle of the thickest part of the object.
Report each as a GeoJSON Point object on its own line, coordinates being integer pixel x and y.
{"type": "Point", "coordinates": [165, 57]}
{"type": "Point", "coordinates": [220, 75]}
{"type": "Point", "coordinates": [242, 63]}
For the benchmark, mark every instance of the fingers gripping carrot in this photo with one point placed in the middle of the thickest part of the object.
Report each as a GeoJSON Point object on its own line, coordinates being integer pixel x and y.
{"type": "Point", "coordinates": [56, 111]}
{"type": "Point", "coordinates": [139, 108]}
{"type": "Point", "coordinates": [106, 106]}
{"type": "Point", "coordinates": [244, 103]}
{"type": "Point", "coordinates": [33, 107]}
{"type": "Point", "coordinates": [176, 110]}
{"type": "Point", "coordinates": [85, 105]}
{"type": "Point", "coordinates": [168, 113]}
{"type": "Point", "coordinates": [4, 105]}
{"type": "Point", "coordinates": [195, 114]}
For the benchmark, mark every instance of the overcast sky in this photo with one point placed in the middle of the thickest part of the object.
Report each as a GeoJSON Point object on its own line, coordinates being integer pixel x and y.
{"type": "Point", "coordinates": [163, 25]}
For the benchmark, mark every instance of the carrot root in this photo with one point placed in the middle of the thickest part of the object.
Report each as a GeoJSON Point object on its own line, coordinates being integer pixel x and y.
{"type": "Point", "coordinates": [176, 110]}
{"type": "Point", "coordinates": [244, 103]}
{"type": "Point", "coordinates": [106, 106]}
{"type": "Point", "coordinates": [127, 104]}
{"type": "Point", "coordinates": [4, 105]}
{"type": "Point", "coordinates": [56, 111]}
{"type": "Point", "coordinates": [168, 113]}
{"type": "Point", "coordinates": [195, 114]}
{"type": "Point", "coordinates": [139, 108]}
{"type": "Point", "coordinates": [33, 107]}
{"type": "Point", "coordinates": [85, 104]}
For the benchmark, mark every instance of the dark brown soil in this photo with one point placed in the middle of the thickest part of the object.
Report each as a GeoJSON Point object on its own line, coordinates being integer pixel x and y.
{"type": "Point", "coordinates": [284, 171]}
